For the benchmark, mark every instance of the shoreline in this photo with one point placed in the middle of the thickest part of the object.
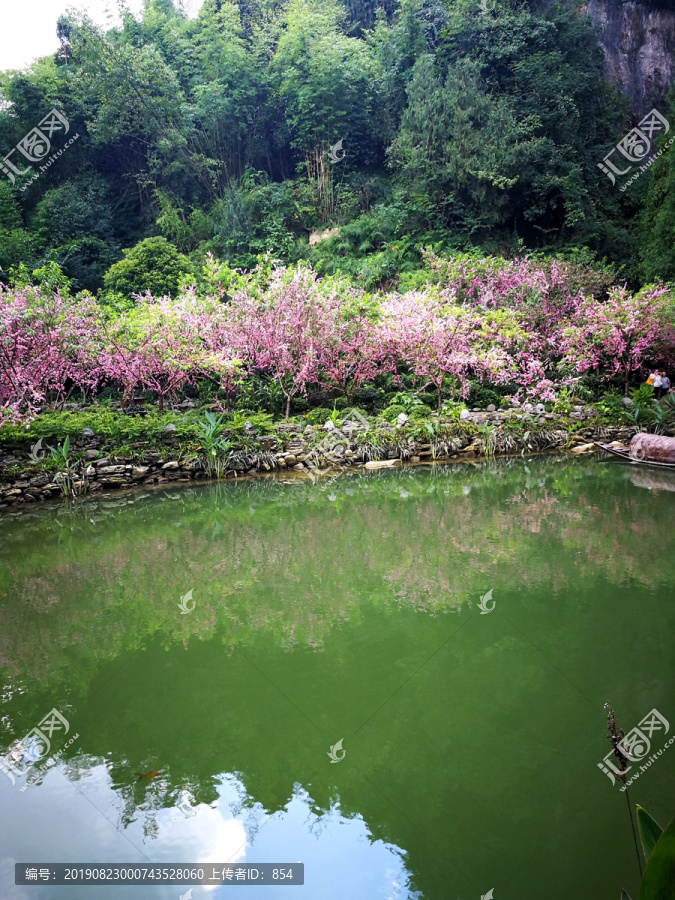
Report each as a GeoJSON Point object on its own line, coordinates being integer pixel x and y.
{"type": "Point", "coordinates": [109, 477]}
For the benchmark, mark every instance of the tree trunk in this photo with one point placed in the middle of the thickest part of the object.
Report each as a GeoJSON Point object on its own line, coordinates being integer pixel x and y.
{"type": "Point", "coordinates": [288, 406]}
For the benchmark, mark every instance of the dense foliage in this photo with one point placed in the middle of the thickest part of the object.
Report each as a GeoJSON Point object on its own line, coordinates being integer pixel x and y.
{"type": "Point", "coordinates": [451, 127]}
{"type": "Point", "coordinates": [524, 325]}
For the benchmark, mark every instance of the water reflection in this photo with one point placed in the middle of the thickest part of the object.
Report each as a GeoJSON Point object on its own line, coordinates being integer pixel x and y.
{"type": "Point", "coordinates": [340, 608]}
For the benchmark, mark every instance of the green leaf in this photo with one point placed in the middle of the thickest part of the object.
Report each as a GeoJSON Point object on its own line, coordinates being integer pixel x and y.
{"type": "Point", "coordinates": [66, 445]}
{"type": "Point", "coordinates": [658, 881]}
{"type": "Point", "coordinates": [625, 896]}
{"type": "Point", "coordinates": [650, 831]}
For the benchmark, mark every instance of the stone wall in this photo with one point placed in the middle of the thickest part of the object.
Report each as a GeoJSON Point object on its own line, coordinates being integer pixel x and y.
{"type": "Point", "coordinates": [22, 482]}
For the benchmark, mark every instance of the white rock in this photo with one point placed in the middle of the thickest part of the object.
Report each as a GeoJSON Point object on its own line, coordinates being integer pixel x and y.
{"type": "Point", "coordinates": [583, 448]}
{"type": "Point", "coordinates": [464, 414]}
{"type": "Point", "coordinates": [329, 426]}
{"type": "Point", "coordinates": [382, 464]}
{"type": "Point", "coordinates": [402, 419]}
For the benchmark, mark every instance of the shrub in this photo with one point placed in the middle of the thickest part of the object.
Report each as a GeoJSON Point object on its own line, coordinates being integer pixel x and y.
{"type": "Point", "coordinates": [431, 400]}
{"type": "Point", "coordinates": [391, 413]}
{"type": "Point", "coordinates": [371, 398]}
{"type": "Point", "coordinates": [152, 265]}
{"type": "Point", "coordinates": [480, 395]}
{"type": "Point", "coordinates": [318, 416]}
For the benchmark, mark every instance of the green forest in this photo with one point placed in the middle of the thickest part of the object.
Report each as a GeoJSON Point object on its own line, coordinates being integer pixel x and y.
{"type": "Point", "coordinates": [389, 125]}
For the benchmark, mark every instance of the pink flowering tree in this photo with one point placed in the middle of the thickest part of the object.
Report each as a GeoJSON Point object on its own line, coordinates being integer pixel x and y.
{"type": "Point", "coordinates": [212, 331]}
{"type": "Point", "coordinates": [431, 338]}
{"type": "Point", "coordinates": [620, 336]}
{"type": "Point", "coordinates": [351, 352]}
{"type": "Point", "coordinates": [149, 348]}
{"type": "Point", "coordinates": [282, 333]}
{"type": "Point", "coordinates": [441, 341]}
{"type": "Point", "coordinates": [544, 292]}
{"type": "Point", "coordinates": [48, 346]}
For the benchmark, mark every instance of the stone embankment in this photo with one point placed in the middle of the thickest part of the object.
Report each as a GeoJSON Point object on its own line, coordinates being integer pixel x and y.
{"type": "Point", "coordinates": [302, 449]}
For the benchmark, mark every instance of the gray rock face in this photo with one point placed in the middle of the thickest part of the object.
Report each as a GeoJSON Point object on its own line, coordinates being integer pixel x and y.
{"type": "Point", "coordinates": [464, 414]}
{"type": "Point", "coordinates": [491, 407]}
{"type": "Point", "coordinates": [627, 401]}
{"type": "Point", "coordinates": [638, 40]}
{"type": "Point", "coordinates": [169, 429]}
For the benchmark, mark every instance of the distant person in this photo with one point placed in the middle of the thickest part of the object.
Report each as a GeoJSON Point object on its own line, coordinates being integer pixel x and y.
{"type": "Point", "coordinates": [656, 384]}
{"type": "Point", "coordinates": [665, 384]}
{"type": "Point", "coordinates": [650, 378]}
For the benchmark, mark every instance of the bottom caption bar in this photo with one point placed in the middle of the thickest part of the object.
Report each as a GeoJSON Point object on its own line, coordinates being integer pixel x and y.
{"type": "Point", "coordinates": [175, 873]}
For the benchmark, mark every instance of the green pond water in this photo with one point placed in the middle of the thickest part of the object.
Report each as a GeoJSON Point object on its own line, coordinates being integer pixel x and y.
{"type": "Point", "coordinates": [343, 610]}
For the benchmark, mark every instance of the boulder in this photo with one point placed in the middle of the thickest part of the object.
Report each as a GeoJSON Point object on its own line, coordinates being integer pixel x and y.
{"type": "Point", "coordinates": [464, 415]}
{"type": "Point", "coordinates": [656, 447]}
{"type": "Point", "coordinates": [383, 464]}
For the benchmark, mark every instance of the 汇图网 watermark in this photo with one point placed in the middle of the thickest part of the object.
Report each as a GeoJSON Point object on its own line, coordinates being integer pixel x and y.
{"type": "Point", "coordinates": [335, 150]}
{"type": "Point", "coordinates": [483, 605]}
{"type": "Point", "coordinates": [34, 746]}
{"type": "Point", "coordinates": [636, 147]}
{"type": "Point", "coordinates": [337, 441]}
{"type": "Point", "coordinates": [35, 146]}
{"type": "Point", "coordinates": [335, 751]}
{"type": "Point", "coordinates": [184, 604]}
{"type": "Point", "coordinates": [635, 746]}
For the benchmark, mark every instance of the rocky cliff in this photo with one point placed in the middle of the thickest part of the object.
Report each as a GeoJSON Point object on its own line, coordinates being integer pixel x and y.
{"type": "Point", "coordinates": [638, 38]}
